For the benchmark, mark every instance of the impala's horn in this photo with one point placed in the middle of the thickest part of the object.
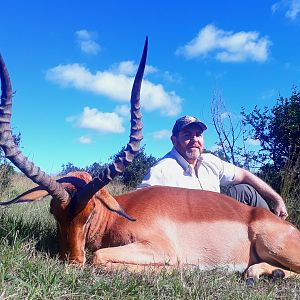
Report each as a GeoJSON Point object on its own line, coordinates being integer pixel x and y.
{"type": "Point", "coordinates": [133, 146]}
{"type": "Point", "coordinates": [13, 153]}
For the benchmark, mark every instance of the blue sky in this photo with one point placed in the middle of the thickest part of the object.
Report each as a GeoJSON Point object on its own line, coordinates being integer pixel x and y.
{"type": "Point", "coordinates": [72, 64]}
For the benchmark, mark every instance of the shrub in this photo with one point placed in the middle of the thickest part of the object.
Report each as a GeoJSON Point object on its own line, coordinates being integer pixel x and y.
{"type": "Point", "coordinates": [135, 172]}
{"type": "Point", "coordinates": [6, 169]}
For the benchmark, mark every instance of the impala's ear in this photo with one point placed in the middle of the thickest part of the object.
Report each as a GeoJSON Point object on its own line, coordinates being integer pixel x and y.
{"type": "Point", "coordinates": [31, 195]}
{"type": "Point", "coordinates": [112, 204]}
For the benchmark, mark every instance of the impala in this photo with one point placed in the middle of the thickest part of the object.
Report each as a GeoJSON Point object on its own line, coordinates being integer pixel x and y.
{"type": "Point", "coordinates": [156, 226]}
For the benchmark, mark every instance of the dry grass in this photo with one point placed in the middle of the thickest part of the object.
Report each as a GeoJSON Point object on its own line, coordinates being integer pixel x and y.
{"type": "Point", "coordinates": [117, 188]}
{"type": "Point", "coordinates": [20, 184]}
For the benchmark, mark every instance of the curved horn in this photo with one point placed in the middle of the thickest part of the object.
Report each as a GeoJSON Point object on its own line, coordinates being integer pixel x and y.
{"type": "Point", "coordinates": [12, 152]}
{"type": "Point", "coordinates": [133, 146]}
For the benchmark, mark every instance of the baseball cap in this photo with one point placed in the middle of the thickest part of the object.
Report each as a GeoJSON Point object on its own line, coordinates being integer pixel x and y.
{"type": "Point", "coordinates": [185, 121]}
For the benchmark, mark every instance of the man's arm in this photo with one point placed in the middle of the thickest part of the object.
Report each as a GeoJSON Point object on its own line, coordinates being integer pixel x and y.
{"type": "Point", "coordinates": [243, 176]}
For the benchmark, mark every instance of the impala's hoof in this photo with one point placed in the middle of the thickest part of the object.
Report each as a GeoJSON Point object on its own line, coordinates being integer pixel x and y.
{"type": "Point", "coordinates": [250, 281]}
{"type": "Point", "coordinates": [278, 274]}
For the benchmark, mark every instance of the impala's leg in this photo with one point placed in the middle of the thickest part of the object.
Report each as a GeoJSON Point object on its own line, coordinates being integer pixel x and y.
{"type": "Point", "coordinates": [255, 271]}
{"type": "Point", "coordinates": [278, 248]}
{"type": "Point", "coordinates": [138, 253]}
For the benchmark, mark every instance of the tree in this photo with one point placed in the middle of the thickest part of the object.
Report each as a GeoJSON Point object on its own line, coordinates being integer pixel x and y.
{"type": "Point", "coordinates": [135, 172]}
{"type": "Point", "coordinates": [231, 134]}
{"type": "Point", "coordinates": [69, 167]}
{"type": "Point", "coordinates": [131, 176]}
{"type": "Point", "coordinates": [277, 129]}
{"type": "Point", "coordinates": [95, 169]}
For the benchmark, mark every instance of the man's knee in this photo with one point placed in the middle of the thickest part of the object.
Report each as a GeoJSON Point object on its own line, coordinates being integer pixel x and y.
{"type": "Point", "coordinates": [247, 194]}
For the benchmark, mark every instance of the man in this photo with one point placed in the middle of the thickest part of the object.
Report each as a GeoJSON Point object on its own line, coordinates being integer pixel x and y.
{"type": "Point", "coordinates": [187, 166]}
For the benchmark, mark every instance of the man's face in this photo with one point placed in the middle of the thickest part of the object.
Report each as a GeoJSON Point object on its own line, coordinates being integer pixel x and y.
{"type": "Point", "coordinates": [189, 142]}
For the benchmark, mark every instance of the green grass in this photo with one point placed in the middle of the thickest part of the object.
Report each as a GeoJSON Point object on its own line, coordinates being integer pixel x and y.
{"type": "Point", "coordinates": [26, 273]}
{"type": "Point", "coordinates": [30, 269]}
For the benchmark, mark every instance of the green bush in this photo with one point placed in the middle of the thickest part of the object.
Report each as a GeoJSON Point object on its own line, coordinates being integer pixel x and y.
{"type": "Point", "coordinates": [132, 175]}
{"type": "Point", "coordinates": [6, 169]}
{"type": "Point", "coordinates": [6, 174]}
{"type": "Point", "coordinates": [277, 129]}
{"type": "Point", "coordinates": [135, 172]}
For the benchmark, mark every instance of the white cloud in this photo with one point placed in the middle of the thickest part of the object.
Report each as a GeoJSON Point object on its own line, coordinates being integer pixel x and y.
{"type": "Point", "coordinates": [124, 67]}
{"type": "Point", "coordinates": [116, 87]}
{"type": "Point", "coordinates": [150, 69]}
{"type": "Point", "coordinates": [275, 7]}
{"type": "Point", "coordinates": [162, 134]}
{"type": "Point", "coordinates": [123, 110]}
{"type": "Point", "coordinates": [226, 115]}
{"type": "Point", "coordinates": [91, 118]}
{"type": "Point", "coordinates": [128, 67]}
{"type": "Point", "coordinates": [86, 41]}
{"type": "Point", "coordinates": [85, 140]}
{"type": "Point", "coordinates": [252, 142]}
{"type": "Point", "coordinates": [83, 34]}
{"type": "Point", "coordinates": [154, 97]}
{"type": "Point", "coordinates": [215, 147]}
{"type": "Point", "coordinates": [90, 47]}
{"type": "Point", "coordinates": [227, 46]}
{"type": "Point", "coordinates": [167, 76]}
{"type": "Point", "coordinates": [291, 8]}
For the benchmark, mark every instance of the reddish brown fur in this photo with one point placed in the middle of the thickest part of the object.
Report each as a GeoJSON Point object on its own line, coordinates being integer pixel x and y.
{"type": "Point", "coordinates": [175, 227]}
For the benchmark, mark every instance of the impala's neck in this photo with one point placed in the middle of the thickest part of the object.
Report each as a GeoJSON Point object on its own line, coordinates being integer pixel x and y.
{"type": "Point", "coordinates": [99, 224]}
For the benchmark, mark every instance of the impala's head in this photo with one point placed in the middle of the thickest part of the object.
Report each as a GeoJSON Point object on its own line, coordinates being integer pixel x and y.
{"type": "Point", "coordinates": [74, 196]}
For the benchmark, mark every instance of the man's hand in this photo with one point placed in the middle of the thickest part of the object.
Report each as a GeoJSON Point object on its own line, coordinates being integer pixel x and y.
{"type": "Point", "coordinates": [280, 210]}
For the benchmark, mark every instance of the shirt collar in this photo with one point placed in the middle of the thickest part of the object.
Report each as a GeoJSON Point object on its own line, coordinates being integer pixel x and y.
{"type": "Point", "coordinates": [188, 169]}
